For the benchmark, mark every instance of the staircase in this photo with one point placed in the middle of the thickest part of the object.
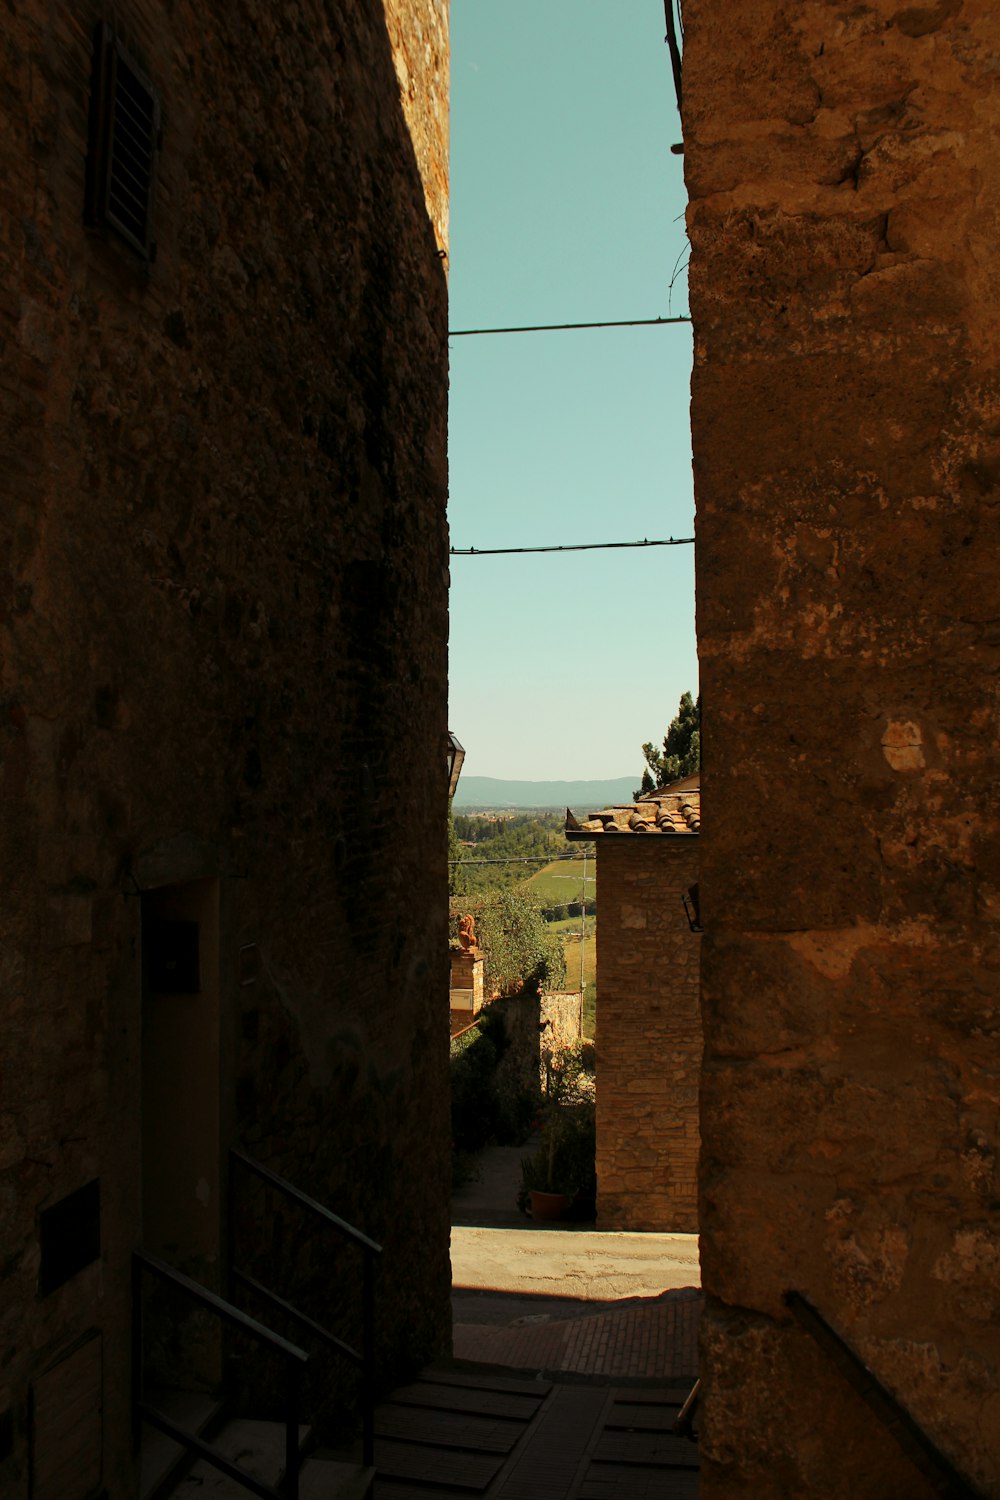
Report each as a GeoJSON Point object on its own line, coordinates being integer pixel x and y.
{"type": "Point", "coordinates": [258, 1448]}
{"type": "Point", "coordinates": [187, 1447]}
{"type": "Point", "coordinates": [463, 1432]}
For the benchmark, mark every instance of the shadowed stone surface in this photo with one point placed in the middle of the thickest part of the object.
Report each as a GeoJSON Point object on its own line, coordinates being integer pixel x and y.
{"type": "Point", "coordinates": [843, 167]}
{"type": "Point", "coordinates": [223, 627]}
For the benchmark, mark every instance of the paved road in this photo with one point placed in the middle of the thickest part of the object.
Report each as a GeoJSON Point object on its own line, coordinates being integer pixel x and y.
{"type": "Point", "coordinates": [495, 1248]}
{"type": "Point", "coordinates": [567, 1299]}
{"type": "Point", "coordinates": [573, 1263]}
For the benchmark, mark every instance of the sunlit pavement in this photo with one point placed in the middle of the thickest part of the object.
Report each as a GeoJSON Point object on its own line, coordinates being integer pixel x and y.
{"type": "Point", "coordinates": [568, 1300]}
{"type": "Point", "coordinates": [573, 1263]}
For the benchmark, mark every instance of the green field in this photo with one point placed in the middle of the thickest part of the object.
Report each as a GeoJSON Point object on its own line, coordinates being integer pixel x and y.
{"type": "Point", "coordinates": [562, 881]}
{"type": "Point", "coordinates": [569, 930]}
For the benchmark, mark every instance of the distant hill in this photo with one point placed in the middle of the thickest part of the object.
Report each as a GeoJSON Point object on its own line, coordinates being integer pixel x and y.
{"type": "Point", "coordinates": [586, 796]}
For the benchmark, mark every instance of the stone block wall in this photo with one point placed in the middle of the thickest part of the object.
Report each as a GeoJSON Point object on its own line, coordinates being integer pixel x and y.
{"type": "Point", "coordinates": [843, 165]}
{"type": "Point", "coordinates": [648, 1035]}
{"type": "Point", "coordinates": [561, 1017]}
{"type": "Point", "coordinates": [466, 981]}
{"type": "Point", "coordinates": [223, 609]}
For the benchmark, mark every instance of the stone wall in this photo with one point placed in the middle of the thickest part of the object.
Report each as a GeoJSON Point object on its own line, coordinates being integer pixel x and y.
{"type": "Point", "coordinates": [648, 1035]}
{"type": "Point", "coordinates": [843, 164]}
{"type": "Point", "coordinates": [223, 575]}
{"type": "Point", "coordinates": [561, 1017]}
{"type": "Point", "coordinates": [534, 1022]}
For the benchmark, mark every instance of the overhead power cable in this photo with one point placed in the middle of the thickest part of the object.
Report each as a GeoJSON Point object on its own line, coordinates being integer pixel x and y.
{"type": "Point", "coordinates": [521, 859]}
{"type": "Point", "coordinates": [466, 333]}
{"type": "Point", "coordinates": [673, 43]}
{"type": "Point", "coordinates": [670, 541]}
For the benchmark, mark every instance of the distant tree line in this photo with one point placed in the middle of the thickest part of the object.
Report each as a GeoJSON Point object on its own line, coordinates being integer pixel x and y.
{"type": "Point", "coordinates": [515, 837]}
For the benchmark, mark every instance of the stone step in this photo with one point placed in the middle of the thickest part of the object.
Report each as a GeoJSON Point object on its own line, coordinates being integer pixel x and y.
{"type": "Point", "coordinates": [159, 1454]}
{"type": "Point", "coordinates": [326, 1479]}
{"type": "Point", "coordinates": [258, 1447]}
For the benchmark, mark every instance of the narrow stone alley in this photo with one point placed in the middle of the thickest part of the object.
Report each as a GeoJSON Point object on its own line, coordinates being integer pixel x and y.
{"type": "Point", "coordinates": [549, 1395]}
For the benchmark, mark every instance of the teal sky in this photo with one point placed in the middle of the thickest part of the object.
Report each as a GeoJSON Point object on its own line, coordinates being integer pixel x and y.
{"type": "Point", "coordinates": [567, 206]}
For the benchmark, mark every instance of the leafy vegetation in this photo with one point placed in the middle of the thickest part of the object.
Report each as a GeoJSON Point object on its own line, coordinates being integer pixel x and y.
{"type": "Point", "coordinates": [521, 911]}
{"type": "Point", "coordinates": [681, 753]}
{"type": "Point", "coordinates": [520, 949]}
{"type": "Point", "coordinates": [561, 883]}
{"type": "Point", "coordinates": [565, 1158]}
{"type": "Point", "coordinates": [506, 840]}
{"type": "Point", "coordinates": [569, 931]}
{"type": "Point", "coordinates": [489, 1102]}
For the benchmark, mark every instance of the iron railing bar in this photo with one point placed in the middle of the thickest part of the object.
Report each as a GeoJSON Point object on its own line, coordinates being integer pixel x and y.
{"type": "Point", "coordinates": [224, 1310]}
{"type": "Point", "coordinates": [293, 1395]}
{"type": "Point", "coordinates": [136, 1370]}
{"type": "Point", "coordinates": [300, 1317]}
{"type": "Point", "coordinates": [684, 1421]}
{"type": "Point", "coordinates": [207, 1452]}
{"type": "Point", "coordinates": [368, 1362]}
{"type": "Point", "coordinates": [944, 1477]}
{"type": "Point", "coordinates": [298, 1196]}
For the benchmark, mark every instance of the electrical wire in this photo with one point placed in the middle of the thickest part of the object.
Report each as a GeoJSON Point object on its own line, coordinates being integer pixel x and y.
{"type": "Point", "coordinates": [467, 333]}
{"type": "Point", "coordinates": [675, 50]}
{"type": "Point", "coordinates": [672, 541]}
{"type": "Point", "coordinates": [520, 859]}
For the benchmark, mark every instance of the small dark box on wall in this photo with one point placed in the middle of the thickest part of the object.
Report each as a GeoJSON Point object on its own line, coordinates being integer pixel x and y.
{"type": "Point", "coordinates": [70, 1236]}
{"type": "Point", "coordinates": [171, 957]}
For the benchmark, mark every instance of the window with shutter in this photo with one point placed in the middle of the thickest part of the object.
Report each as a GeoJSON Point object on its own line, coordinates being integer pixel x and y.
{"type": "Point", "coordinates": [124, 140]}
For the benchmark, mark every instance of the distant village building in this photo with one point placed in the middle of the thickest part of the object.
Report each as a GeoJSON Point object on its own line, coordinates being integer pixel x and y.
{"type": "Point", "coordinates": [224, 571]}
{"type": "Point", "coordinates": [649, 1040]}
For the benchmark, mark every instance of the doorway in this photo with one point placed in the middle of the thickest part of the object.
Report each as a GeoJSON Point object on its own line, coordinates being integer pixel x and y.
{"type": "Point", "coordinates": [181, 1199]}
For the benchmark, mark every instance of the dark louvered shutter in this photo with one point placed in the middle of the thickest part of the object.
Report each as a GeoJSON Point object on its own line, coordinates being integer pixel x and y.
{"type": "Point", "coordinates": [124, 137]}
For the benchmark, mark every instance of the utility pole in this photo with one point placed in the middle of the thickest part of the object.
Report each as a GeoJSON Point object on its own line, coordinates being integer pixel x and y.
{"type": "Point", "coordinates": [583, 922]}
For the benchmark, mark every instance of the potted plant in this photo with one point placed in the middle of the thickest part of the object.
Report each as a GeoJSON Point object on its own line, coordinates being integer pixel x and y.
{"type": "Point", "coordinates": [561, 1173]}
{"type": "Point", "coordinates": [539, 1196]}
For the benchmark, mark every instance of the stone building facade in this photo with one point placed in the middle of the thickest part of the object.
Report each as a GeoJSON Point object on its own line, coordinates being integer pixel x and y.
{"type": "Point", "coordinates": [648, 1018]}
{"type": "Point", "coordinates": [843, 166]}
{"type": "Point", "coordinates": [223, 611]}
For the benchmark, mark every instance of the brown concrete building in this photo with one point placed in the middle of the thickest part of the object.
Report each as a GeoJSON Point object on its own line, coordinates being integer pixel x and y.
{"type": "Point", "coordinates": [648, 1018]}
{"type": "Point", "coordinates": [843, 164]}
{"type": "Point", "coordinates": [223, 574]}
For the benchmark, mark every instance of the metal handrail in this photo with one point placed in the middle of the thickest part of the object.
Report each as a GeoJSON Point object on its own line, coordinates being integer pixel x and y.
{"type": "Point", "coordinates": [684, 1421]}
{"type": "Point", "coordinates": [945, 1479]}
{"type": "Point", "coordinates": [296, 1361]}
{"type": "Point", "coordinates": [365, 1357]}
{"type": "Point", "coordinates": [291, 1191]}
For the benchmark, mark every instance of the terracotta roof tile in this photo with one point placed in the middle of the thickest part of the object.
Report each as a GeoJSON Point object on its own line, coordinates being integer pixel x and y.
{"type": "Point", "coordinates": [663, 811]}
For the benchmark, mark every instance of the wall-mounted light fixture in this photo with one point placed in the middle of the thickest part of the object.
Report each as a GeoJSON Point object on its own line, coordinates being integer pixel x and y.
{"type": "Point", "coordinates": [456, 755]}
{"type": "Point", "coordinates": [692, 908]}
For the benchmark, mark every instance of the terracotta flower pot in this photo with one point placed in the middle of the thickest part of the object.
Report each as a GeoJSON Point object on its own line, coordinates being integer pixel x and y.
{"type": "Point", "coordinates": [548, 1205]}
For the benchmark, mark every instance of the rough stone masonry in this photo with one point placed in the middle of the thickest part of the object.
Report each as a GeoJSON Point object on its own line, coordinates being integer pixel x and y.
{"type": "Point", "coordinates": [648, 1035]}
{"type": "Point", "coordinates": [843, 165]}
{"type": "Point", "coordinates": [223, 627]}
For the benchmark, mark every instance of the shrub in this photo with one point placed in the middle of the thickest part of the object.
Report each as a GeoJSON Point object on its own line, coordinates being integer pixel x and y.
{"type": "Point", "coordinates": [474, 1105]}
{"type": "Point", "coordinates": [488, 1103]}
{"type": "Point", "coordinates": [519, 948]}
{"type": "Point", "coordinates": [566, 1158]}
